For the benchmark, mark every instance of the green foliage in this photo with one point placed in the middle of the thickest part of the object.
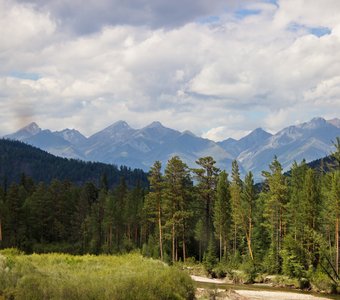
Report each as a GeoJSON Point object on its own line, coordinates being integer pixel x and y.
{"type": "Point", "coordinates": [17, 158]}
{"type": "Point", "coordinates": [209, 258]}
{"type": "Point", "coordinates": [290, 227]}
{"type": "Point", "coordinates": [59, 276]}
{"type": "Point", "coordinates": [222, 214]}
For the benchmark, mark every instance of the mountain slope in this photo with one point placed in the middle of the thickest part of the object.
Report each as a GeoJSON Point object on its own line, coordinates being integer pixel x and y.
{"type": "Point", "coordinates": [121, 144]}
{"type": "Point", "coordinates": [310, 141]}
{"type": "Point", "coordinates": [25, 132]}
{"type": "Point", "coordinates": [139, 148]}
{"type": "Point", "coordinates": [255, 138]}
{"type": "Point", "coordinates": [17, 158]}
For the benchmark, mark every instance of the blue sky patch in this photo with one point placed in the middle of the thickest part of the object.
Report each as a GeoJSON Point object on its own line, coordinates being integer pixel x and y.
{"type": "Point", "coordinates": [320, 31]}
{"type": "Point", "coordinates": [317, 31]}
{"type": "Point", "coordinates": [243, 13]}
{"type": "Point", "coordinates": [25, 75]}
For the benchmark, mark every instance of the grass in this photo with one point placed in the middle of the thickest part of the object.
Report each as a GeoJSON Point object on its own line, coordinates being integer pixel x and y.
{"type": "Point", "coordinates": [62, 276]}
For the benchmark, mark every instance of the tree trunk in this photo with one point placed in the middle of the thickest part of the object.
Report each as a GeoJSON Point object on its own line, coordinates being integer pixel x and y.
{"type": "Point", "coordinates": [160, 232]}
{"type": "Point", "coordinates": [337, 245]}
{"type": "Point", "coordinates": [110, 237]}
{"type": "Point", "coordinates": [184, 247]}
{"type": "Point", "coordinates": [235, 238]}
{"type": "Point", "coordinates": [220, 246]}
{"type": "Point", "coordinates": [249, 246]}
{"type": "Point", "coordinates": [200, 251]}
{"type": "Point", "coordinates": [173, 242]}
{"type": "Point", "coordinates": [225, 247]}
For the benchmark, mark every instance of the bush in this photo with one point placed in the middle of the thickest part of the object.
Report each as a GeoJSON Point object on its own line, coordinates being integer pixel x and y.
{"type": "Point", "coordinates": [321, 282]}
{"type": "Point", "coordinates": [220, 270]}
{"type": "Point", "coordinates": [209, 259]}
{"type": "Point", "coordinates": [61, 276]}
{"type": "Point", "coordinates": [249, 269]}
{"type": "Point", "coordinates": [291, 265]}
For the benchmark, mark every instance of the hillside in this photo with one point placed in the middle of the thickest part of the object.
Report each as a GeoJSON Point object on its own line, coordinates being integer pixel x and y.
{"type": "Point", "coordinates": [17, 158]}
{"type": "Point", "coordinates": [121, 144]}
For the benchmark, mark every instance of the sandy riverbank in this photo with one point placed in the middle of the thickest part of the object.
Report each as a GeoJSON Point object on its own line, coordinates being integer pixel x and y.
{"type": "Point", "coordinates": [241, 294]}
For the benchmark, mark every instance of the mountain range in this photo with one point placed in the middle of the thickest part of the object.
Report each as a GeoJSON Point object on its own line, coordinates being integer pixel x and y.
{"type": "Point", "coordinates": [120, 144]}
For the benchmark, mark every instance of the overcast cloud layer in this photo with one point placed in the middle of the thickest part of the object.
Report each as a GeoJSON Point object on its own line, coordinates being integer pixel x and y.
{"type": "Point", "coordinates": [215, 69]}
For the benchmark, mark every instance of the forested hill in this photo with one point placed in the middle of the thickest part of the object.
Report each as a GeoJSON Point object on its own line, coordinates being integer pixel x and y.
{"type": "Point", "coordinates": [17, 158]}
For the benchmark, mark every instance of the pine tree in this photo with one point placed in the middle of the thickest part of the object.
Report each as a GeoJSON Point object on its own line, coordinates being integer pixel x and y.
{"type": "Point", "coordinates": [120, 198]}
{"type": "Point", "coordinates": [222, 213]}
{"type": "Point", "coordinates": [275, 207]}
{"type": "Point", "coordinates": [294, 207]}
{"type": "Point", "coordinates": [311, 214]}
{"type": "Point", "coordinates": [335, 210]}
{"type": "Point", "coordinates": [199, 236]}
{"type": "Point", "coordinates": [206, 177]}
{"type": "Point", "coordinates": [235, 191]}
{"type": "Point", "coordinates": [335, 199]}
{"type": "Point", "coordinates": [177, 198]}
{"type": "Point", "coordinates": [248, 207]}
{"type": "Point", "coordinates": [108, 223]}
{"type": "Point", "coordinates": [154, 201]}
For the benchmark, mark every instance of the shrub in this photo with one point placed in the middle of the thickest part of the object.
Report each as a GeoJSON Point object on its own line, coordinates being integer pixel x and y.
{"type": "Point", "coordinates": [249, 269]}
{"type": "Point", "coordinates": [61, 276]}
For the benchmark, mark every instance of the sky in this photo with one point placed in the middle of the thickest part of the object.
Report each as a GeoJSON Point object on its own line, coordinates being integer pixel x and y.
{"type": "Point", "coordinates": [219, 68]}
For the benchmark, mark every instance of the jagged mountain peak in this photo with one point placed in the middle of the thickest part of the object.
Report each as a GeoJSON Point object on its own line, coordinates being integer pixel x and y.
{"type": "Point", "coordinates": [31, 128]}
{"type": "Point", "coordinates": [121, 144]}
{"type": "Point", "coordinates": [25, 132]}
{"type": "Point", "coordinates": [257, 133]}
{"type": "Point", "coordinates": [313, 123]}
{"type": "Point", "coordinates": [71, 135]}
{"type": "Point", "coordinates": [155, 124]}
{"type": "Point", "coordinates": [119, 125]}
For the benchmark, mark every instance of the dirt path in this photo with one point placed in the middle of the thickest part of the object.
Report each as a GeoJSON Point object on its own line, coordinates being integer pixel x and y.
{"type": "Point", "coordinates": [241, 294]}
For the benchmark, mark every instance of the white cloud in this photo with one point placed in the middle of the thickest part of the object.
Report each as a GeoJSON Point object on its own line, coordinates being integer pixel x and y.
{"type": "Point", "coordinates": [254, 68]}
{"type": "Point", "coordinates": [222, 133]}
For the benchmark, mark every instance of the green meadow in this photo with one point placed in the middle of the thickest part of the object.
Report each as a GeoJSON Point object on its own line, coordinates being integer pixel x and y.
{"type": "Point", "coordinates": [63, 276]}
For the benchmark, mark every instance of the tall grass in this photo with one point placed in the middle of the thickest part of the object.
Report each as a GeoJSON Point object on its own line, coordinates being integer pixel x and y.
{"type": "Point", "coordinates": [63, 276]}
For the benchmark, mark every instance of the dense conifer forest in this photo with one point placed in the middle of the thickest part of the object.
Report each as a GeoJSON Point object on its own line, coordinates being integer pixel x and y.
{"type": "Point", "coordinates": [17, 158]}
{"type": "Point", "coordinates": [290, 226]}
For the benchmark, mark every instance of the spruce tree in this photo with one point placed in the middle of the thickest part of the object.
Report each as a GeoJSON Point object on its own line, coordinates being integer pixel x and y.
{"type": "Point", "coordinates": [222, 213]}
{"type": "Point", "coordinates": [275, 208]}
{"type": "Point", "coordinates": [154, 202]}
{"type": "Point", "coordinates": [177, 198]}
{"type": "Point", "coordinates": [248, 209]}
{"type": "Point", "coordinates": [206, 177]}
{"type": "Point", "coordinates": [236, 191]}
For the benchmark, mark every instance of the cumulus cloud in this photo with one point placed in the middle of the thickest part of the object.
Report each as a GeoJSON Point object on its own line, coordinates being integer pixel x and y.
{"type": "Point", "coordinates": [260, 64]}
{"type": "Point", "coordinates": [91, 16]}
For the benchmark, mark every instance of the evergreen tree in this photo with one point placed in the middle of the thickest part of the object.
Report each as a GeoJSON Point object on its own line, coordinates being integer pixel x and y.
{"type": "Point", "coordinates": [120, 198]}
{"type": "Point", "coordinates": [294, 207]}
{"type": "Point", "coordinates": [275, 207]}
{"type": "Point", "coordinates": [154, 201]}
{"type": "Point", "coordinates": [199, 236]}
{"type": "Point", "coordinates": [335, 213]}
{"type": "Point", "coordinates": [236, 191]}
{"type": "Point", "coordinates": [177, 197]}
{"type": "Point", "coordinates": [108, 223]}
{"type": "Point", "coordinates": [206, 177]}
{"type": "Point", "coordinates": [311, 215]}
{"type": "Point", "coordinates": [247, 210]}
{"type": "Point", "coordinates": [222, 213]}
